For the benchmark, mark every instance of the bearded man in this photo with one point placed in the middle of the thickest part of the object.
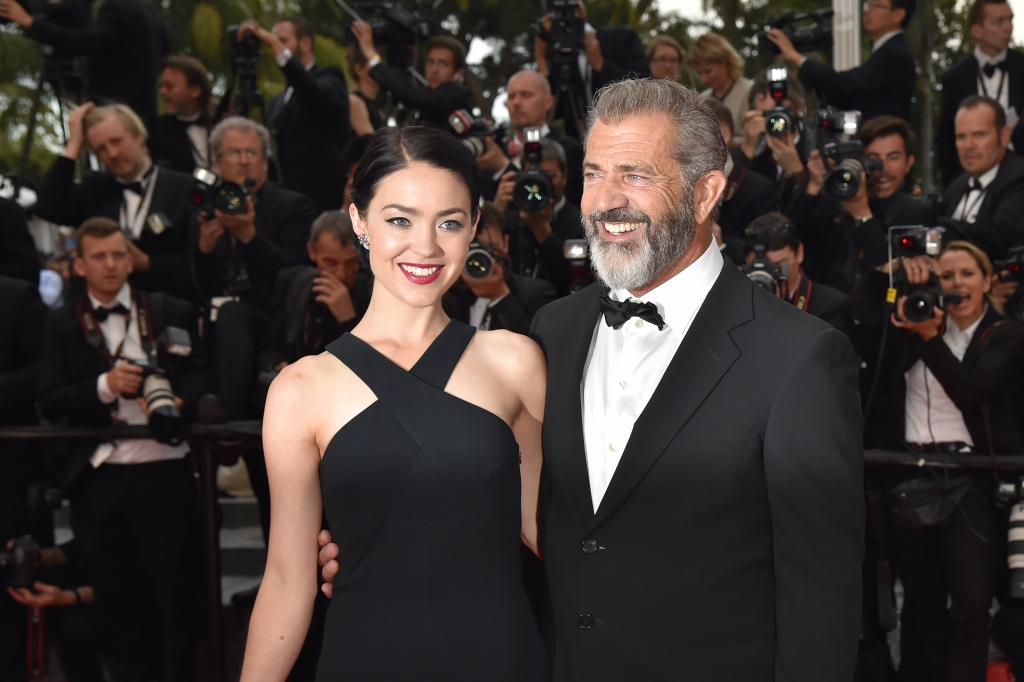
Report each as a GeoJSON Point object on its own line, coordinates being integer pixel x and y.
{"type": "Point", "coordinates": [702, 510]}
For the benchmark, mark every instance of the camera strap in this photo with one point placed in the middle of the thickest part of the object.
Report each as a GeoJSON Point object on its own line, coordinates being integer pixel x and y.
{"type": "Point", "coordinates": [802, 298]}
{"type": "Point", "coordinates": [999, 88]}
{"type": "Point", "coordinates": [134, 224]}
{"type": "Point", "coordinates": [94, 336]}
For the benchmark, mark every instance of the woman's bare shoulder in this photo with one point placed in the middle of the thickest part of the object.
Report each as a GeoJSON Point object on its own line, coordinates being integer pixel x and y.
{"type": "Point", "coordinates": [514, 355]}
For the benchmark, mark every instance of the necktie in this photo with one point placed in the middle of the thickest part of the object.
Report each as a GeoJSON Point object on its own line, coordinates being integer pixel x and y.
{"type": "Point", "coordinates": [103, 313]}
{"type": "Point", "coordinates": [991, 68]}
{"type": "Point", "coordinates": [617, 313]}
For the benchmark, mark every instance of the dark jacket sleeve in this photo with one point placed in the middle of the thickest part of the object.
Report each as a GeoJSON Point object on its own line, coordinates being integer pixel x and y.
{"type": "Point", "coordinates": [991, 372]}
{"type": "Point", "coordinates": [508, 314]}
{"type": "Point", "coordinates": [813, 466]}
{"type": "Point", "coordinates": [18, 258]}
{"type": "Point", "coordinates": [60, 395]}
{"type": "Point", "coordinates": [18, 388]}
{"type": "Point", "coordinates": [327, 95]}
{"type": "Point", "coordinates": [882, 72]}
{"type": "Point", "coordinates": [272, 350]}
{"type": "Point", "coordinates": [292, 217]}
{"type": "Point", "coordinates": [435, 103]}
{"type": "Point", "coordinates": [627, 57]}
{"type": "Point", "coordinates": [99, 37]}
{"type": "Point", "coordinates": [61, 200]}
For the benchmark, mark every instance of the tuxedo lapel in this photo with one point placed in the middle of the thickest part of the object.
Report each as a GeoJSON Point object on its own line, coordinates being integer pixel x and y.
{"type": "Point", "coordinates": [1015, 72]}
{"type": "Point", "coordinates": [956, 192]}
{"type": "Point", "coordinates": [705, 355]}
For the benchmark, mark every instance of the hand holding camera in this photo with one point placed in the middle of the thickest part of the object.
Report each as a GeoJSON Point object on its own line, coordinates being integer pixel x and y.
{"type": "Point", "coordinates": [753, 129]}
{"type": "Point", "coordinates": [12, 11]}
{"type": "Point", "coordinates": [927, 328]}
{"type": "Point", "coordinates": [125, 378]}
{"type": "Point", "coordinates": [330, 291]}
{"type": "Point", "coordinates": [363, 33]}
{"type": "Point", "coordinates": [242, 226]}
{"type": "Point", "coordinates": [262, 34]}
{"type": "Point", "coordinates": [503, 197]}
{"type": "Point", "coordinates": [785, 153]}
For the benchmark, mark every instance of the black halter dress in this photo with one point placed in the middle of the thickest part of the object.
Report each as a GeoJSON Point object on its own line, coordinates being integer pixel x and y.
{"type": "Point", "coordinates": [422, 495]}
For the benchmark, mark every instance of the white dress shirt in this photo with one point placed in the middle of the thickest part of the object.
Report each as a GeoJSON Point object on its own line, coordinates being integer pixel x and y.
{"type": "Point", "coordinates": [971, 201]}
{"type": "Point", "coordinates": [626, 365]}
{"type": "Point", "coordinates": [199, 139]}
{"type": "Point", "coordinates": [127, 411]}
{"type": "Point", "coordinates": [996, 86]}
{"type": "Point", "coordinates": [135, 208]}
{"type": "Point", "coordinates": [931, 415]}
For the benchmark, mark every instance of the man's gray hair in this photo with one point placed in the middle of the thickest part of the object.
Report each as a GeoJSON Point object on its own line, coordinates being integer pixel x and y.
{"type": "Point", "coordinates": [239, 123]}
{"type": "Point", "coordinates": [699, 147]}
{"type": "Point", "coordinates": [335, 223]}
{"type": "Point", "coordinates": [550, 150]}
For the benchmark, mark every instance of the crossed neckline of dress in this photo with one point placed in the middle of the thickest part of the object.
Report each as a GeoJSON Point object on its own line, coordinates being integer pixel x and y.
{"type": "Point", "coordinates": [376, 398]}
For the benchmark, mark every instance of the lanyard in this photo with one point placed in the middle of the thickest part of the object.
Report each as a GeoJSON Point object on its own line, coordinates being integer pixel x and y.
{"type": "Point", "coordinates": [93, 334]}
{"type": "Point", "coordinates": [135, 224]}
{"type": "Point", "coordinates": [999, 88]}
{"type": "Point", "coordinates": [971, 205]}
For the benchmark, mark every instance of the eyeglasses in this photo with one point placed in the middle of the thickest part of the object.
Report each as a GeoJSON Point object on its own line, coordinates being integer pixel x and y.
{"type": "Point", "coordinates": [235, 154]}
{"type": "Point", "coordinates": [875, 5]}
{"type": "Point", "coordinates": [666, 60]}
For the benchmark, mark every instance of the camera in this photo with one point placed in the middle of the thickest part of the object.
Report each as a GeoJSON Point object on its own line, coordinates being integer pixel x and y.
{"type": "Point", "coordinates": [165, 419]}
{"type": "Point", "coordinates": [920, 303]}
{"type": "Point", "coordinates": [565, 38]}
{"type": "Point", "coordinates": [533, 191]}
{"type": "Point", "coordinates": [211, 193]}
{"type": "Point", "coordinates": [244, 53]}
{"type": "Point", "coordinates": [907, 242]}
{"type": "Point", "coordinates": [577, 253]}
{"type": "Point", "coordinates": [781, 119]}
{"type": "Point", "coordinates": [472, 130]}
{"type": "Point", "coordinates": [17, 564]}
{"type": "Point", "coordinates": [398, 28]}
{"type": "Point", "coordinates": [834, 130]}
{"type": "Point", "coordinates": [479, 261]}
{"type": "Point", "coordinates": [1010, 494]}
{"type": "Point", "coordinates": [1011, 269]}
{"type": "Point", "coordinates": [916, 240]}
{"type": "Point", "coordinates": [766, 274]}
{"type": "Point", "coordinates": [814, 33]}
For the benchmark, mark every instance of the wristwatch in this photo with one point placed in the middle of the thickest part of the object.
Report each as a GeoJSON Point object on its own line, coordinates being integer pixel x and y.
{"type": "Point", "coordinates": [861, 221]}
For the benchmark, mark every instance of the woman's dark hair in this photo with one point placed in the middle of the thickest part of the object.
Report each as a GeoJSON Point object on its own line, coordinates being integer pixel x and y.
{"type": "Point", "coordinates": [393, 149]}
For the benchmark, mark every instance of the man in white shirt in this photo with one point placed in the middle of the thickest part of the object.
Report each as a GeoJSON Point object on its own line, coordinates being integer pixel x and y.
{"type": "Point", "coordinates": [133, 501]}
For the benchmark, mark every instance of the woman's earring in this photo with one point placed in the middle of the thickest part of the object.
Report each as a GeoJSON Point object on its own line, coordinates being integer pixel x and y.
{"type": "Point", "coordinates": [364, 241]}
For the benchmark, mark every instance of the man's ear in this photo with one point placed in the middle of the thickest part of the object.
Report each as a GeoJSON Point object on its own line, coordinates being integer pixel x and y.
{"type": "Point", "coordinates": [311, 252]}
{"type": "Point", "coordinates": [79, 265]}
{"type": "Point", "coordinates": [706, 194]}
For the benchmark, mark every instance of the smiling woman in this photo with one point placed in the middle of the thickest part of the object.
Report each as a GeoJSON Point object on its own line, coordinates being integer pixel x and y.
{"type": "Point", "coordinates": [432, 487]}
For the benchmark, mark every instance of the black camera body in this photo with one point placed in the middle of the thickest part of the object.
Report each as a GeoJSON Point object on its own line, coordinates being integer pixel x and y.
{"type": "Point", "coordinates": [908, 242]}
{"type": "Point", "coordinates": [1011, 269]}
{"type": "Point", "coordinates": [398, 28]}
{"type": "Point", "coordinates": [809, 32]}
{"type": "Point", "coordinates": [781, 119]}
{"type": "Point", "coordinates": [165, 419]}
{"type": "Point", "coordinates": [834, 130]}
{"type": "Point", "coordinates": [565, 39]}
{"type": "Point", "coordinates": [921, 302]}
{"type": "Point", "coordinates": [766, 274]}
{"type": "Point", "coordinates": [18, 564]}
{"type": "Point", "coordinates": [210, 193]}
{"type": "Point", "coordinates": [534, 190]}
{"type": "Point", "coordinates": [244, 53]}
{"type": "Point", "coordinates": [472, 130]}
{"type": "Point", "coordinates": [479, 261]}
{"type": "Point", "coordinates": [1009, 496]}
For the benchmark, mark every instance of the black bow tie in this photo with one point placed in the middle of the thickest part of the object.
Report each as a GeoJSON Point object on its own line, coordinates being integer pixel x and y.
{"type": "Point", "coordinates": [617, 313]}
{"type": "Point", "coordinates": [973, 185]}
{"type": "Point", "coordinates": [103, 313]}
{"type": "Point", "coordinates": [991, 68]}
{"type": "Point", "coordinates": [133, 187]}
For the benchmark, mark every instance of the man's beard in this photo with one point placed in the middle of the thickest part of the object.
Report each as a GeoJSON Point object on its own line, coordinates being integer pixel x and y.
{"type": "Point", "coordinates": [633, 265]}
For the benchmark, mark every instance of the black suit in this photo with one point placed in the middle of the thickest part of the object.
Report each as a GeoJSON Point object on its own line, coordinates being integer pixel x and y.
{"type": "Point", "coordinates": [65, 201]}
{"type": "Point", "coordinates": [748, 195]}
{"type": "Point", "coordinates": [997, 226]}
{"type": "Point", "coordinates": [130, 515]}
{"type": "Point", "coordinates": [18, 257]}
{"type": "Point", "coordinates": [433, 105]}
{"type": "Point", "coordinates": [728, 545]}
{"type": "Point", "coordinates": [959, 83]}
{"type": "Point", "coordinates": [170, 145]}
{"type": "Point", "coordinates": [514, 312]}
{"type": "Point", "coordinates": [124, 45]}
{"type": "Point", "coordinates": [311, 131]}
{"type": "Point", "coordinates": [883, 85]}
{"type": "Point", "coordinates": [544, 260]}
{"type": "Point", "coordinates": [764, 164]}
{"type": "Point", "coordinates": [573, 165]}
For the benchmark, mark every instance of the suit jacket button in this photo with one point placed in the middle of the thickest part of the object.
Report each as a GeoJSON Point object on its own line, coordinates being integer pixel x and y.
{"type": "Point", "coordinates": [590, 546]}
{"type": "Point", "coordinates": [586, 621]}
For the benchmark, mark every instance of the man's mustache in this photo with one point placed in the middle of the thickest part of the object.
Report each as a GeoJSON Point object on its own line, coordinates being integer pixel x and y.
{"type": "Point", "coordinates": [618, 215]}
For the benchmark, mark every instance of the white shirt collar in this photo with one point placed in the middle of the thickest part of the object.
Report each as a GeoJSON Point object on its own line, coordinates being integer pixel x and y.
{"type": "Point", "coordinates": [984, 59]}
{"type": "Point", "coordinates": [190, 119]}
{"type": "Point", "coordinates": [124, 297]}
{"type": "Point", "coordinates": [884, 39]}
{"type": "Point", "coordinates": [141, 177]}
{"type": "Point", "coordinates": [953, 331]}
{"type": "Point", "coordinates": [988, 176]}
{"type": "Point", "coordinates": [679, 298]}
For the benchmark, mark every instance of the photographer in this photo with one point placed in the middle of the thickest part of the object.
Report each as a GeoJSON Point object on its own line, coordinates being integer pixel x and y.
{"type": "Point", "coordinates": [150, 203]}
{"type": "Point", "coordinates": [720, 67]}
{"type": "Point", "coordinates": [304, 118]}
{"type": "Point", "coordinates": [180, 138]}
{"type": "Point", "coordinates": [444, 61]}
{"type": "Point", "coordinates": [993, 69]}
{"type": "Point", "coordinates": [134, 501]}
{"type": "Point", "coordinates": [781, 159]}
{"type": "Point", "coordinates": [665, 57]}
{"type": "Point", "coordinates": [884, 84]}
{"type": "Point", "coordinates": [236, 260]}
{"type": "Point", "coordinates": [949, 375]}
{"type": "Point", "coordinates": [364, 114]}
{"type": "Point", "coordinates": [537, 237]}
{"type": "Point", "coordinates": [845, 239]}
{"type": "Point", "coordinates": [503, 299]}
{"type": "Point", "coordinates": [747, 195]}
{"type": "Point", "coordinates": [609, 54]}
{"type": "Point", "coordinates": [986, 203]}
{"type": "Point", "coordinates": [316, 305]}
{"type": "Point", "coordinates": [124, 44]}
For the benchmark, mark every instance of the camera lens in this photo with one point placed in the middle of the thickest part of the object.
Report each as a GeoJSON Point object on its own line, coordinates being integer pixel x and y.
{"type": "Point", "coordinates": [479, 263]}
{"type": "Point", "coordinates": [165, 420]}
{"type": "Point", "coordinates": [765, 281]}
{"type": "Point", "coordinates": [779, 124]}
{"type": "Point", "coordinates": [843, 181]}
{"type": "Point", "coordinates": [533, 191]}
{"type": "Point", "coordinates": [919, 306]}
{"type": "Point", "coordinates": [230, 198]}
{"type": "Point", "coordinates": [475, 145]}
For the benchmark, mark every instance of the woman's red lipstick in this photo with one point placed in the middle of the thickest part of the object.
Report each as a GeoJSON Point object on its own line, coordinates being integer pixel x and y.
{"type": "Point", "coordinates": [420, 274]}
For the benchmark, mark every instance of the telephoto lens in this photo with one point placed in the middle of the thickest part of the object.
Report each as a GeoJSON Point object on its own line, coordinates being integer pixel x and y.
{"type": "Point", "coordinates": [229, 197]}
{"type": "Point", "coordinates": [165, 420]}
{"type": "Point", "coordinates": [475, 145]}
{"type": "Point", "coordinates": [779, 122]}
{"type": "Point", "coordinates": [843, 181]}
{"type": "Point", "coordinates": [920, 304]}
{"type": "Point", "coordinates": [533, 190]}
{"type": "Point", "coordinates": [1015, 551]}
{"type": "Point", "coordinates": [479, 262]}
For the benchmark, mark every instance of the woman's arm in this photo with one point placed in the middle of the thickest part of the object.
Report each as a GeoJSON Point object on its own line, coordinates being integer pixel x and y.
{"type": "Point", "coordinates": [284, 605]}
{"type": "Point", "coordinates": [531, 383]}
{"type": "Point", "coordinates": [359, 116]}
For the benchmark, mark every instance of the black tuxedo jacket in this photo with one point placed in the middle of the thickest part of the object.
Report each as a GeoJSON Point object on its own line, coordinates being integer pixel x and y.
{"type": "Point", "coordinates": [764, 164]}
{"type": "Point", "coordinates": [959, 83]}
{"type": "Point", "coordinates": [998, 224]}
{"type": "Point", "coordinates": [124, 45]}
{"type": "Point", "coordinates": [884, 84]}
{"type": "Point", "coordinates": [283, 220]}
{"type": "Point", "coordinates": [573, 166]}
{"type": "Point", "coordinates": [169, 143]}
{"type": "Point", "coordinates": [66, 202]}
{"type": "Point", "coordinates": [729, 543]}
{"type": "Point", "coordinates": [514, 313]}
{"type": "Point", "coordinates": [311, 131]}
{"type": "Point", "coordinates": [748, 195]}
{"type": "Point", "coordinates": [433, 105]}
{"type": "Point", "coordinates": [18, 257]}
{"type": "Point", "coordinates": [70, 367]}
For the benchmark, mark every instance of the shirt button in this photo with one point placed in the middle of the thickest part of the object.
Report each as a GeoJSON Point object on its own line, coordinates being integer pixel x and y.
{"type": "Point", "coordinates": [622, 385]}
{"type": "Point", "coordinates": [586, 621]}
{"type": "Point", "coordinates": [590, 546]}
{"type": "Point", "coordinates": [611, 446]}
{"type": "Point", "coordinates": [639, 323]}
